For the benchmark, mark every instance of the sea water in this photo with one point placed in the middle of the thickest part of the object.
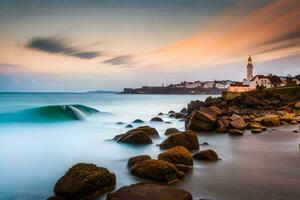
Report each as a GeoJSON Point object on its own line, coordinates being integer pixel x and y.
{"type": "Point", "coordinates": [35, 153]}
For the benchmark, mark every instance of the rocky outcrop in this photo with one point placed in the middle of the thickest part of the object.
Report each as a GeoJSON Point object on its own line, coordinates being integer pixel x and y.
{"type": "Point", "coordinates": [188, 139]}
{"type": "Point", "coordinates": [171, 131]}
{"type": "Point", "coordinates": [84, 182]}
{"type": "Point", "coordinates": [142, 191]}
{"type": "Point", "coordinates": [132, 161]}
{"type": "Point", "coordinates": [179, 156]}
{"type": "Point", "coordinates": [297, 105]}
{"type": "Point", "coordinates": [156, 170]}
{"type": "Point", "coordinates": [207, 155]}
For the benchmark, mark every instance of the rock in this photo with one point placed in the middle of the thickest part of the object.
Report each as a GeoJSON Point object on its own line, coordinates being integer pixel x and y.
{"type": "Point", "coordinates": [237, 122]}
{"type": "Point", "coordinates": [132, 161]}
{"type": "Point", "coordinates": [295, 131]}
{"type": "Point", "coordinates": [194, 105]}
{"type": "Point", "coordinates": [172, 115]}
{"type": "Point", "coordinates": [149, 192]}
{"type": "Point", "coordinates": [208, 155]}
{"type": "Point", "coordinates": [215, 110]}
{"type": "Point", "coordinates": [254, 125]}
{"type": "Point", "coordinates": [168, 122]}
{"type": "Point", "coordinates": [138, 121]}
{"type": "Point", "coordinates": [286, 117]}
{"type": "Point", "coordinates": [178, 156]}
{"type": "Point", "coordinates": [253, 101]}
{"type": "Point", "coordinates": [204, 144]}
{"type": "Point", "coordinates": [221, 130]}
{"type": "Point", "coordinates": [255, 131]}
{"type": "Point", "coordinates": [235, 132]}
{"type": "Point", "coordinates": [129, 126]}
{"type": "Point", "coordinates": [184, 111]}
{"type": "Point", "coordinates": [271, 120]}
{"type": "Point", "coordinates": [170, 131]}
{"type": "Point", "coordinates": [150, 131]}
{"type": "Point", "coordinates": [179, 115]}
{"type": "Point", "coordinates": [201, 121]}
{"type": "Point", "coordinates": [120, 123]}
{"type": "Point", "coordinates": [84, 181]}
{"type": "Point", "coordinates": [294, 122]}
{"type": "Point", "coordinates": [156, 170]}
{"type": "Point", "coordinates": [160, 114]}
{"type": "Point", "coordinates": [157, 119]}
{"type": "Point", "coordinates": [171, 112]}
{"type": "Point", "coordinates": [136, 137]}
{"type": "Point", "coordinates": [297, 105]}
{"type": "Point", "coordinates": [188, 139]}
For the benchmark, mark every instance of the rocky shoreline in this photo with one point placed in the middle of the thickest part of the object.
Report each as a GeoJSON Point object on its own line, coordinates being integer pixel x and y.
{"type": "Point", "coordinates": [250, 111]}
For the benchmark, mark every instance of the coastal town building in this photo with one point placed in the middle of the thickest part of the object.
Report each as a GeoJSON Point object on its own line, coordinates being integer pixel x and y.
{"type": "Point", "coordinates": [260, 81]}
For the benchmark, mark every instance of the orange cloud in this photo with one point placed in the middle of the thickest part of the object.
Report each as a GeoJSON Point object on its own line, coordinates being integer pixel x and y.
{"type": "Point", "coordinates": [269, 32]}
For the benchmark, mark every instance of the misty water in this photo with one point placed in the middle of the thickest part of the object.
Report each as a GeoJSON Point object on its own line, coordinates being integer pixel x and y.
{"type": "Point", "coordinates": [35, 153]}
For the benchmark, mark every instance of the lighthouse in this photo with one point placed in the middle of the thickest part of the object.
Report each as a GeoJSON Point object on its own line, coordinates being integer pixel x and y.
{"type": "Point", "coordinates": [249, 69]}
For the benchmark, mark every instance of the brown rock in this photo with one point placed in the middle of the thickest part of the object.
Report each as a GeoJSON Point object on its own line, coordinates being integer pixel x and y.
{"type": "Point", "coordinates": [142, 191]}
{"type": "Point", "coordinates": [271, 120]}
{"type": "Point", "coordinates": [132, 161]}
{"type": "Point", "coordinates": [297, 105]}
{"type": "Point", "coordinates": [156, 170]}
{"type": "Point", "coordinates": [237, 122]}
{"type": "Point", "coordinates": [170, 131]}
{"type": "Point", "coordinates": [84, 182]}
{"type": "Point", "coordinates": [177, 155]}
{"type": "Point", "coordinates": [235, 132]}
{"type": "Point", "coordinates": [188, 139]}
{"type": "Point", "coordinates": [136, 137]}
{"type": "Point", "coordinates": [208, 155]}
{"type": "Point", "coordinates": [255, 131]}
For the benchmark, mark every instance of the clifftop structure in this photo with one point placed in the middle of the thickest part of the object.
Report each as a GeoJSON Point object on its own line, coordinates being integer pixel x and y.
{"type": "Point", "coordinates": [249, 69]}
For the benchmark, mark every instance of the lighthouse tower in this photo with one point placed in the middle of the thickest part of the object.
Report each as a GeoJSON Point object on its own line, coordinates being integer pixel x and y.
{"type": "Point", "coordinates": [249, 69]}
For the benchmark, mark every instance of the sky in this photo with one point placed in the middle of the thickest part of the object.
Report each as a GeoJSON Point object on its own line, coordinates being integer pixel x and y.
{"type": "Point", "coordinates": [85, 45]}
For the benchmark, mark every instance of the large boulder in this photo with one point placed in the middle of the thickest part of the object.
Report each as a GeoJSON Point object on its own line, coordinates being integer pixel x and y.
{"type": "Point", "coordinates": [137, 137]}
{"type": "Point", "coordinates": [179, 115]}
{"type": "Point", "coordinates": [84, 182]}
{"type": "Point", "coordinates": [271, 120]}
{"type": "Point", "coordinates": [133, 160]}
{"type": "Point", "coordinates": [149, 192]}
{"type": "Point", "coordinates": [179, 156]}
{"type": "Point", "coordinates": [202, 120]}
{"type": "Point", "coordinates": [207, 155]}
{"type": "Point", "coordinates": [237, 122]}
{"type": "Point", "coordinates": [156, 170]}
{"type": "Point", "coordinates": [171, 131]}
{"type": "Point", "coordinates": [188, 139]}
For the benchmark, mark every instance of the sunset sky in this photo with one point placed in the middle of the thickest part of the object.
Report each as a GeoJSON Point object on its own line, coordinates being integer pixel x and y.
{"type": "Point", "coordinates": [83, 45]}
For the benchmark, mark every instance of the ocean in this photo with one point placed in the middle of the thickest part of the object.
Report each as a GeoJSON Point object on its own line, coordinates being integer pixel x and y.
{"type": "Point", "coordinates": [40, 140]}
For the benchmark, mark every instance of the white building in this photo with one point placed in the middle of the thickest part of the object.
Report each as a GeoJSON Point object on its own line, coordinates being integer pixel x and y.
{"type": "Point", "coordinates": [238, 87]}
{"type": "Point", "coordinates": [260, 80]}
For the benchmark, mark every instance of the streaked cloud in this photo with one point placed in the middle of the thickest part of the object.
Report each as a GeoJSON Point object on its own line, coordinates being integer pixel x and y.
{"type": "Point", "coordinates": [268, 32]}
{"type": "Point", "coordinates": [57, 45]}
{"type": "Point", "coordinates": [119, 60]}
{"type": "Point", "coordinates": [8, 65]}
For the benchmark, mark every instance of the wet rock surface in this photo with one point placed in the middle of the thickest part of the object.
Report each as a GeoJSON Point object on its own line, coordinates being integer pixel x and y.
{"type": "Point", "coordinates": [188, 139]}
{"type": "Point", "coordinates": [142, 191]}
{"type": "Point", "coordinates": [83, 182]}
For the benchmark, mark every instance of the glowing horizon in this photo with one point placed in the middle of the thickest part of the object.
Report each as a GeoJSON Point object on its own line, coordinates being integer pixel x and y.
{"type": "Point", "coordinates": [78, 46]}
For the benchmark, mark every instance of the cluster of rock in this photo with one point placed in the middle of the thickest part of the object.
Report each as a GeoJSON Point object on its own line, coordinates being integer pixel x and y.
{"type": "Point", "coordinates": [249, 111]}
{"type": "Point", "coordinates": [86, 181]}
{"type": "Point", "coordinates": [172, 164]}
{"type": "Point", "coordinates": [140, 135]}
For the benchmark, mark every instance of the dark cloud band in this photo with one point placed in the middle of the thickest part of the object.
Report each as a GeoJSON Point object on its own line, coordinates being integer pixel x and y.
{"type": "Point", "coordinates": [55, 45]}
